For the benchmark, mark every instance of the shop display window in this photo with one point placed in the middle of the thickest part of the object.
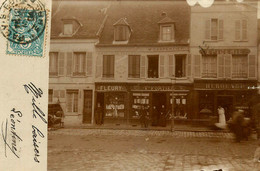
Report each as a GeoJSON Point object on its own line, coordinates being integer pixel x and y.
{"type": "Point", "coordinates": [115, 106]}
{"type": "Point", "coordinates": [180, 105]}
{"type": "Point", "coordinates": [139, 99]}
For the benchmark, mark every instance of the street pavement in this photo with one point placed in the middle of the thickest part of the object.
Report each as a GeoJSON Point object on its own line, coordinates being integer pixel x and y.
{"type": "Point", "coordinates": [146, 150]}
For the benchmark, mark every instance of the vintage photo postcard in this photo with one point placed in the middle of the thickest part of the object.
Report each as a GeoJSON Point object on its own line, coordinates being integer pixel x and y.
{"type": "Point", "coordinates": [24, 58]}
{"type": "Point", "coordinates": [130, 85]}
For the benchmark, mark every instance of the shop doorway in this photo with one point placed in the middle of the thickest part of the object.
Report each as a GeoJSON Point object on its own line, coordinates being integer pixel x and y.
{"type": "Point", "coordinates": [100, 100]}
{"type": "Point", "coordinates": [87, 107]}
{"type": "Point", "coordinates": [158, 100]}
{"type": "Point", "coordinates": [227, 103]}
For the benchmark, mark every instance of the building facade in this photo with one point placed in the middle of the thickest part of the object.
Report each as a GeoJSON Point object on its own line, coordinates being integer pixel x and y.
{"type": "Point", "coordinates": [139, 59]}
{"type": "Point", "coordinates": [72, 62]}
{"type": "Point", "coordinates": [223, 45]}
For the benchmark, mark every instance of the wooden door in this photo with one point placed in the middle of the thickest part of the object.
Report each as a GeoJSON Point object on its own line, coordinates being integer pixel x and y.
{"type": "Point", "coordinates": [87, 106]}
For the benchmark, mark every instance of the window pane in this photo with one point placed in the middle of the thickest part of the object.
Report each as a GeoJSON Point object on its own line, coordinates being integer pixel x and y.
{"type": "Point", "coordinates": [75, 105]}
{"type": "Point", "coordinates": [209, 66]}
{"type": "Point", "coordinates": [134, 66]}
{"type": "Point", "coordinates": [53, 63]}
{"type": "Point", "coordinates": [239, 66]}
{"type": "Point", "coordinates": [68, 29]}
{"type": "Point", "coordinates": [214, 29]}
{"type": "Point", "coordinates": [166, 32]}
{"type": "Point", "coordinates": [108, 66]}
{"type": "Point", "coordinates": [69, 102]}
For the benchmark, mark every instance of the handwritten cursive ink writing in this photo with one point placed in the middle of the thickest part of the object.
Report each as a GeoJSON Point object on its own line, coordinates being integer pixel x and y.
{"type": "Point", "coordinates": [36, 132]}
{"type": "Point", "coordinates": [38, 111]}
{"type": "Point", "coordinates": [37, 92]}
{"type": "Point", "coordinates": [15, 139]}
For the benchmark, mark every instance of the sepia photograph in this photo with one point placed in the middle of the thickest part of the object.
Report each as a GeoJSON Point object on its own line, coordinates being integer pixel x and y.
{"type": "Point", "coordinates": [154, 85]}
{"type": "Point", "coordinates": [130, 85]}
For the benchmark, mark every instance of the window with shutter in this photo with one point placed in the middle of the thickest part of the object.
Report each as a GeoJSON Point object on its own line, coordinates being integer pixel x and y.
{"type": "Point", "coordinates": [221, 70]}
{"type": "Point", "coordinates": [153, 66]}
{"type": "Point", "coordinates": [161, 66]}
{"type": "Point", "coordinates": [227, 60]}
{"type": "Point", "coordinates": [143, 68]}
{"type": "Point", "coordinates": [89, 63]}
{"type": "Point", "coordinates": [239, 66]}
{"type": "Point", "coordinates": [72, 101]}
{"type": "Point", "coordinates": [61, 58]}
{"type": "Point", "coordinates": [134, 66]}
{"type": "Point", "coordinates": [241, 30]}
{"type": "Point", "coordinates": [108, 66]}
{"type": "Point", "coordinates": [53, 63]}
{"type": "Point", "coordinates": [197, 66]}
{"type": "Point", "coordinates": [171, 66]}
{"type": "Point", "coordinates": [252, 66]}
{"type": "Point", "coordinates": [99, 66]}
{"type": "Point", "coordinates": [214, 29]}
{"type": "Point", "coordinates": [79, 64]}
{"type": "Point", "coordinates": [209, 67]}
{"type": "Point", "coordinates": [69, 63]}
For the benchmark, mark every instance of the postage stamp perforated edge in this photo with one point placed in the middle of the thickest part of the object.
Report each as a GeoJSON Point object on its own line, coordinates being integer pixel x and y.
{"type": "Point", "coordinates": [44, 39]}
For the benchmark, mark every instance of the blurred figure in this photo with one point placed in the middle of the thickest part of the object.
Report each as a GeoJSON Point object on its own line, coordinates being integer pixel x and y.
{"type": "Point", "coordinates": [240, 126]}
{"type": "Point", "coordinates": [154, 116]}
{"type": "Point", "coordinates": [257, 157]}
{"type": "Point", "coordinates": [162, 116]}
{"type": "Point", "coordinates": [99, 115]}
{"type": "Point", "coordinates": [222, 118]}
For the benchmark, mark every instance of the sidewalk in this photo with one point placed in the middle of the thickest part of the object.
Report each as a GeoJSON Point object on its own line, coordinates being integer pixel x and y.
{"type": "Point", "coordinates": [177, 127]}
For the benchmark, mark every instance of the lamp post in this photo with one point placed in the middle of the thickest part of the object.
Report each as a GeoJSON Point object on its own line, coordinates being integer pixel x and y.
{"type": "Point", "coordinates": [172, 115]}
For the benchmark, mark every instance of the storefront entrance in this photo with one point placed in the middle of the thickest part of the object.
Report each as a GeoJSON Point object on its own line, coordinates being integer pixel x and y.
{"type": "Point", "coordinates": [227, 103]}
{"type": "Point", "coordinates": [87, 107]}
{"type": "Point", "coordinates": [158, 108]}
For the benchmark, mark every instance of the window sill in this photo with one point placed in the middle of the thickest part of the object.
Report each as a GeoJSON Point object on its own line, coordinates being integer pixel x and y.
{"type": "Point", "coordinates": [131, 78]}
{"type": "Point", "coordinates": [240, 40]}
{"type": "Point", "coordinates": [108, 78]}
{"type": "Point", "coordinates": [152, 79]}
{"type": "Point", "coordinates": [213, 41]}
{"type": "Point", "coordinates": [166, 41]}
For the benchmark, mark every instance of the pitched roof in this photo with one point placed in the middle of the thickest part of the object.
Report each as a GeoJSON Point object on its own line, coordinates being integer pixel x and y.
{"type": "Point", "coordinates": [122, 21]}
{"type": "Point", "coordinates": [90, 15]}
{"type": "Point", "coordinates": [143, 18]}
{"type": "Point", "coordinates": [166, 20]}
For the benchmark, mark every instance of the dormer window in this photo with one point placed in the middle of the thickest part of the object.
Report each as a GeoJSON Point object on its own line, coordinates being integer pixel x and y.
{"type": "Point", "coordinates": [122, 31]}
{"type": "Point", "coordinates": [70, 27]}
{"type": "Point", "coordinates": [167, 30]}
{"type": "Point", "coordinates": [166, 33]}
{"type": "Point", "coordinates": [67, 29]}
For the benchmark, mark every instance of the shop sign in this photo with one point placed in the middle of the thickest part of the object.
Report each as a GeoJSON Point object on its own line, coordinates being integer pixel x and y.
{"type": "Point", "coordinates": [223, 86]}
{"type": "Point", "coordinates": [110, 88]}
{"type": "Point", "coordinates": [157, 88]}
{"type": "Point", "coordinates": [224, 51]}
{"type": "Point", "coordinates": [177, 48]}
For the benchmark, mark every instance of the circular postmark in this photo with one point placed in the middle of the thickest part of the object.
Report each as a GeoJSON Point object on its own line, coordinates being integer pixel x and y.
{"type": "Point", "coordinates": [22, 21]}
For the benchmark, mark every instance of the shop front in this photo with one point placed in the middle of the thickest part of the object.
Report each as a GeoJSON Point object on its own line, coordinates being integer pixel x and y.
{"type": "Point", "coordinates": [231, 95]}
{"type": "Point", "coordinates": [157, 100]}
{"type": "Point", "coordinates": [122, 103]}
{"type": "Point", "coordinates": [113, 99]}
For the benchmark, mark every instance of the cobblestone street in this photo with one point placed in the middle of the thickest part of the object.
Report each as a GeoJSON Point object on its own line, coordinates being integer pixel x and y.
{"type": "Point", "coordinates": [97, 149]}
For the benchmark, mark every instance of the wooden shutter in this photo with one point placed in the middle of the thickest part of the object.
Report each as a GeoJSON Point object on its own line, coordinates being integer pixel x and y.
{"type": "Point", "coordinates": [227, 61]}
{"type": "Point", "coordinates": [220, 29]}
{"type": "Point", "coordinates": [252, 66]}
{"type": "Point", "coordinates": [89, 63]}
{"type": "Point", "coordinates": [61, 63]}
{"type": "Point", "coordinates": [69, 63]}
{"type": "Point", "coordinates": [244, 29]}
{"type": "Point", "coordinates": [171, 63]}
{"type": "Point", "coordinates": [197, 66]}
{"type": "Point", "coordinates": [221, 71]}
{"type": "Point", "coordinates": [143, 70]}
{"type": "Point", "coordinates": [207, 30]}
{"type": "Point", "coordinates": [188, 65]}
{"type": "Point", "coordinates": [99, 66]}
{"type": "Point", "coordinates": [161, 66]}
{"type": "Point", "coordinates": [237, 30]}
